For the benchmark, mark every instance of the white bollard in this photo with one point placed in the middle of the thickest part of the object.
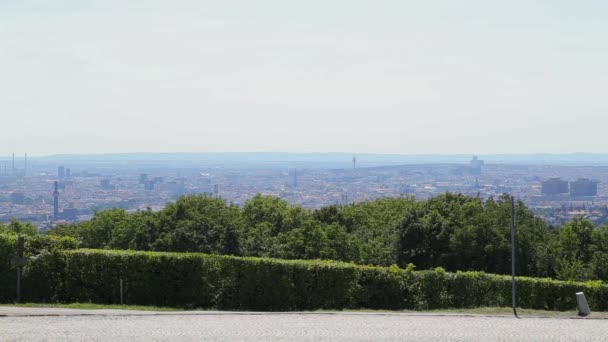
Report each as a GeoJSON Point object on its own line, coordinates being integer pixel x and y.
{"type": "Point", "coordinates": [583, 307]}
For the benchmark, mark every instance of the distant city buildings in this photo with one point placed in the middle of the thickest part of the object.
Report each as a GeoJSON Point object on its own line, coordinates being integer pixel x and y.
{"type": "Point", "coordinates": [583, 187]}
{"type": "Point", "coordinates": [101, 187]}
{"type": "Point", "coordinates": [294, 178]}
{"type": "Point", "coordinates": [17, 198]}
{"type": "Point", "coordinates": [149, 185]}
{"type": "Point", "coordinates": [69, 214]}
{"type": "Point", "coordinates": [175, 188]}
{"type": "Point", "coordinates": [553, 187]}
{"type": "Point", "coordinates": [580, 188]}
{"type": "Point", "coordinates": [15, 170]}
{"type": "Point", "coordinates": [344, 198]}
{"type": "Point", "coordinates": [106, 184]}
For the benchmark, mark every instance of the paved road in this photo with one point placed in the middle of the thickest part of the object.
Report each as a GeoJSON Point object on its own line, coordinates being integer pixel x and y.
{"type": "Point", "coordinates": [210, 326]}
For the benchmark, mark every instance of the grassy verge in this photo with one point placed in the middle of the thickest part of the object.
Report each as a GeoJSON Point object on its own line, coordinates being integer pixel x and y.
{"type": "Point", "coordinates": [504, 311]}
{"type": "Point", "coordinates": [489, 311]}
{"type": "Point", "coordinates": [523, 312]}
{"type": "Point", "coordinates": [492, 311]}
{"type": "Point", "coordinates": [91, 306]}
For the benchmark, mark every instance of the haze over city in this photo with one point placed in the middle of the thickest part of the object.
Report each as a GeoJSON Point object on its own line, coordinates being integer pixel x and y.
{"type": "Point", "coordinates": [472, 77]}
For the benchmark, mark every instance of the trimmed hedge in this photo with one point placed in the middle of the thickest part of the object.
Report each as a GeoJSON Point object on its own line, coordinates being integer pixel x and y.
{"type": "Point", "coordinates": [34, 246]}
{"type": "Point", "coordinates": [225, 282]}
{"type": "Point", "coordinates": [193, 280]}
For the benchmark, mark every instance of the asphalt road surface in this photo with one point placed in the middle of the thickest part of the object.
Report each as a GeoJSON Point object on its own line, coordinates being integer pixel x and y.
{"type": "Point", "coordinates": [23, 324]}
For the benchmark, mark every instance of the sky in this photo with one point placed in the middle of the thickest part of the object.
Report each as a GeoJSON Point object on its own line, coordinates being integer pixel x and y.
{"type": "Point", "coordinates": [376, 76]}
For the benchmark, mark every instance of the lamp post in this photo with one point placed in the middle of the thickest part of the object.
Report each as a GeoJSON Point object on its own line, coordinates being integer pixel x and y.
{"type": "Point", "coordinates": [513, 235]}
{"type": "Point", "coordinates": [19, 261]}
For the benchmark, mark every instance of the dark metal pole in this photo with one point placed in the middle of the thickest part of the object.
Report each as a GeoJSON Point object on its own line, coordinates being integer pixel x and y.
{"type": "Point", "coordinates": [513, 232]}
{"type": "Point", "coordinates": [20, 248]}
{"type": "Point", "coordinates": [18, 299]}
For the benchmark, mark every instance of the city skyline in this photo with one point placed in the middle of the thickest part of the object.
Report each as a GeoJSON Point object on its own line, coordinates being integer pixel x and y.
{"type": "Point", "coordinates": [72, 189]}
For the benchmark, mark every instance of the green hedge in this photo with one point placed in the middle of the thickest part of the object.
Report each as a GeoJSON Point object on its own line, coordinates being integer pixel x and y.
{"type": "Point", "coordinates": [34, 246]}
{"type": "Point", "coordinates": [225, 282]}
{"type": "Point", "coordinates": [193, 280]}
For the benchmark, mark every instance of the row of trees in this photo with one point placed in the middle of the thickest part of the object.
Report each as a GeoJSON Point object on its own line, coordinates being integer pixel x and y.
{"type": "Point", "coordinates": [452, 231]}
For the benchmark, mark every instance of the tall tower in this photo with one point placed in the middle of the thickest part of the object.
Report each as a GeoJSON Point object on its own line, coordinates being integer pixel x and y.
{"type": "Point", "coordinates": [56, 202]}
{"type": "Point", "coordinates": [344, 198]}
{"type": "Point", "coordinates": [354, 162]}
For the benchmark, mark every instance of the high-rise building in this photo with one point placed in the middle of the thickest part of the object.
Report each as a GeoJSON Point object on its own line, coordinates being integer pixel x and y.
{"type": "Point", "coordinates": [554, 186]}
{"type": "Point", "coordinates": [344, 198]}
{"type": "Point", "coordinates": [216, 190]}
{"type": "Point", "coordinates": [143, 178]}
{"type": "Point", "coordinates": [56, 202]}
{"type": "Point", "coordinates": [476, 165]}
{"type": "Point", "coordinates": [68, 173]}
{"type": "Point", "coordinates": [61, 172]}
{"type": "Point", "coordinates": [583, 187]}
{"type": "Point", "coordinates": [149, 185]}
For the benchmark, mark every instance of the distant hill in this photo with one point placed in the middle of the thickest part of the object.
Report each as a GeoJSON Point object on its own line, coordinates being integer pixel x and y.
{"type": "Point", "coordinates": [322, 160]}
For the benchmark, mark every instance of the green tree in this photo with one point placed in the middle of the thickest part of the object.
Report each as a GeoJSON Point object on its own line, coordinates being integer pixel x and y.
{"type": "Point", "coordinates": [199, 223]}
{"type": "Point", "coordinates": [137, 231]}
{"type": "Point", "coordinates": [20, 228]}
{"type": "Point", "coordinates": [273, 228]}
{"type": "Point", "coordinates": [99, 231]}
{"type": "Point", "coordinates": [375, 225]}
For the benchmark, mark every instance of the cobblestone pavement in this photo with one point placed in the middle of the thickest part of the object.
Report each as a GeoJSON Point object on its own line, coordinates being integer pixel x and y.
{"type": "Point", "coordinates": [209, 326]}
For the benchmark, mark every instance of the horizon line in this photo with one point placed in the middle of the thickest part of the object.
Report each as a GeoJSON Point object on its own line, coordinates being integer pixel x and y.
{"type": "Point", "coordinates": [30, 156]}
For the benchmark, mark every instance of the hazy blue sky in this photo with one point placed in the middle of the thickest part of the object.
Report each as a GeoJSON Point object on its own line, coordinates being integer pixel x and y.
{"type": "Point", "coordinates": [93, 76]}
